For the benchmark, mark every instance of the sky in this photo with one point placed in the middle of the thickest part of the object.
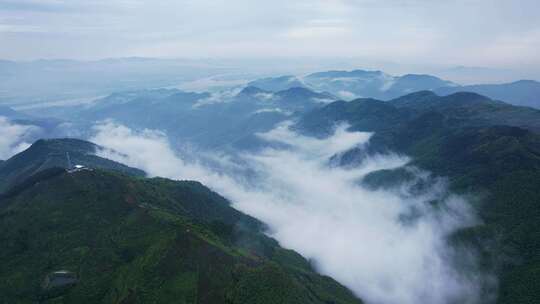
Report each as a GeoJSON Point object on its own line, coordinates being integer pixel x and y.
{"type": "Point", "coordinates": [483, 33]}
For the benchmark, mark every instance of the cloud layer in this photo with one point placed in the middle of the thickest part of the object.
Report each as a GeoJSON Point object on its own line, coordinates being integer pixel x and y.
{"type": "Point", "coordinates": [13, 137]}
{"type": "Point", "coordinates": [388, 246]}
{"type": "Point", "coordinates": [467, 32]}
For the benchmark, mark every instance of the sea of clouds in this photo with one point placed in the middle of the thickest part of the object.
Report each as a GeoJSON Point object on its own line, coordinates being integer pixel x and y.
{"type": "Point", "coordinates": [351, 232]}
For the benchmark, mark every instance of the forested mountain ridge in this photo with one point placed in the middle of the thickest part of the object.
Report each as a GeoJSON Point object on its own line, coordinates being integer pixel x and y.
{"type": "Point", "coordinates": [486, 148]}
{"type": "Point", "coordinates": [135, 240]}
{"type": "Point", "coordinates": [522, 92]}
{"type": "Point", "coordinates": [55, 153]}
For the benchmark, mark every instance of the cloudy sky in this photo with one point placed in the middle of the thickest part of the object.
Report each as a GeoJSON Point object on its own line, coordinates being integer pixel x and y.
{"type": "Point", "coordinates": [494, 33]}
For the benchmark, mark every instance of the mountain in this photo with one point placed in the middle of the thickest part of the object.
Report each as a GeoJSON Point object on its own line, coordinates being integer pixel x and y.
{"type": "Point", "coordinates": [155, 108]}
{"type": "Point", "coordinates": [299, 94]}
{"type": "Point", "coordinates": [12, 114]}
{"type": "Point", "coordinates": [460, 110]}
{"type": "Point", "coordinates": [354, 84]}
{"type": "Point", "coordinates": [48, 125]}
{"type": "Point", "coordinates": [36, 127]}
{"type": "Point", "coordinates": [487, 149]}
{"type": "Point", "coordinates": [371, 84]}
{"type": "Point", "coordinates": [275, 84]}
{"type": "Point", "coordinates": [293, 99]}
{"type": "Point", "coordinates": [52, 153]}
{"type": "Point", "coordinates": [350, 84]}
{"type": "Point", "coordinates": [472, 109]}
{"type": "Point", "coordinates": [202, 119]}
{"type": "Point", "coordinates": [410, 83]}
{"type": "Point", "coordinates": [104, 237]}
{"type": "Point", "coordinates": [521, 93]}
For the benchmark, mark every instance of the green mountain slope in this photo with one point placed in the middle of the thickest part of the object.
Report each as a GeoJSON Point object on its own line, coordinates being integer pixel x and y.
{"type": "Point", "coordinates": [521, 93]}
{"type": "Point", "coordinates": [44, 154]}
{"type": "Point", "coordinates": [135, 240]}
{"type": "Point", "coordinates": [485, 147]}
{"type": "Point", "coordinates": [471, 109]}
{"type": "Point", "coordinates": [460, 110]}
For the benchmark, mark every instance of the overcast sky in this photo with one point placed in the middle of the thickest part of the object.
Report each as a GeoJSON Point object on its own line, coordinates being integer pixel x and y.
{"type": "Point", "coordinates": [493, 33]}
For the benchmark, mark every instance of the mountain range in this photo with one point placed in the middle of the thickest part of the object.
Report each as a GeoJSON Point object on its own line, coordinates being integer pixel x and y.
{"type": "Point", "coordinates": [203, 119]}
{"type": "Point", "coordinates": [129, 239]}
{"type": "Point", "coordinates": [520, 93]}
{"type": "Point", "coordinates": [354, 84]}
{"type": "Point", "coordinates": [484, 147]}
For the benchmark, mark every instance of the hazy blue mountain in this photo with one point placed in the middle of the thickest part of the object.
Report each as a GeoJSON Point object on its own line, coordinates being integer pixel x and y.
{"type": "Point", "coordinates": [275, 84]}
{"type": "Point", "coordinates": [163, 104]}
{"type": "Point", "coordinates": [371, 84]}
{"type": "Point", "coordinates": [354, 84]}
{"type": "Point", "coordinates": [521, 93]}
{"type": "Point", "coordinates": [350, 84]}
{"type": "Point", "coordinates": [410, 83]}
{"type": "Point", "coordinates": [204, 119]}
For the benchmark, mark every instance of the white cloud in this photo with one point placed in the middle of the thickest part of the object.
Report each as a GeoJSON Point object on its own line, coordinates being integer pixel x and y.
{"type": "Point", "coordinates": [218, 97]}
{"type": "Point", "coordinates": [148, 149]}
{"type": "Point", "coordinates": [264, 96]}
{"type": "Point", "coordinates": [347, 95]}
{"type": "Point", "coordinates": [388, 82]}
{"type": "Point", "coordinates": [13, 137]}
{"type": "Point", "coordinates": [353, 234]}
{"type": "Point", "coordinates": [409, 31]}
{"type": "Point", "coordinates": [272, 110]}
{"type": "Point", "coordinates": [322, 100]}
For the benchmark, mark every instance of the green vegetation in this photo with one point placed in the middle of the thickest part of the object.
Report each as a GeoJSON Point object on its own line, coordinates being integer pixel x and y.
{"type": "Point", "coordinates": [136, 240]}
{"type": "Point", "coordinates": [486, 148]}
{"type": "Point", "coordinates": [51, 153]}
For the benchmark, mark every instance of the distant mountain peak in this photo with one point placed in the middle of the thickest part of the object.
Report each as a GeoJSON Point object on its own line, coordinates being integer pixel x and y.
{"type": "Point", "coordinates": [526, 81]}
{"type": "Point", "coordinates": [296, 90]}
{"type": "Point", "coordinates": [52, 153]}
{"type": "Point", "coordinates": [520, 93]}
{"type": "Point", "coordinates": [275, 84]}
{"type": "Point", "coordinates": [469, 96]}
{"type": "Point", "coordinates": [413, 98]}
{"type": "Point", "coordinates": [303, 93]}
{"type": "Point", "coordinates": [373, 84]}
{"type": "Point", "coordinates": [252, 90]}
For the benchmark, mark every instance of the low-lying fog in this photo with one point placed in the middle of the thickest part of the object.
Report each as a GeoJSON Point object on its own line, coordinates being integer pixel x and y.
{"type": "Point", "coordinates": [13, 137]}
{"type": "Point", "coordinates": [356, 235]}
